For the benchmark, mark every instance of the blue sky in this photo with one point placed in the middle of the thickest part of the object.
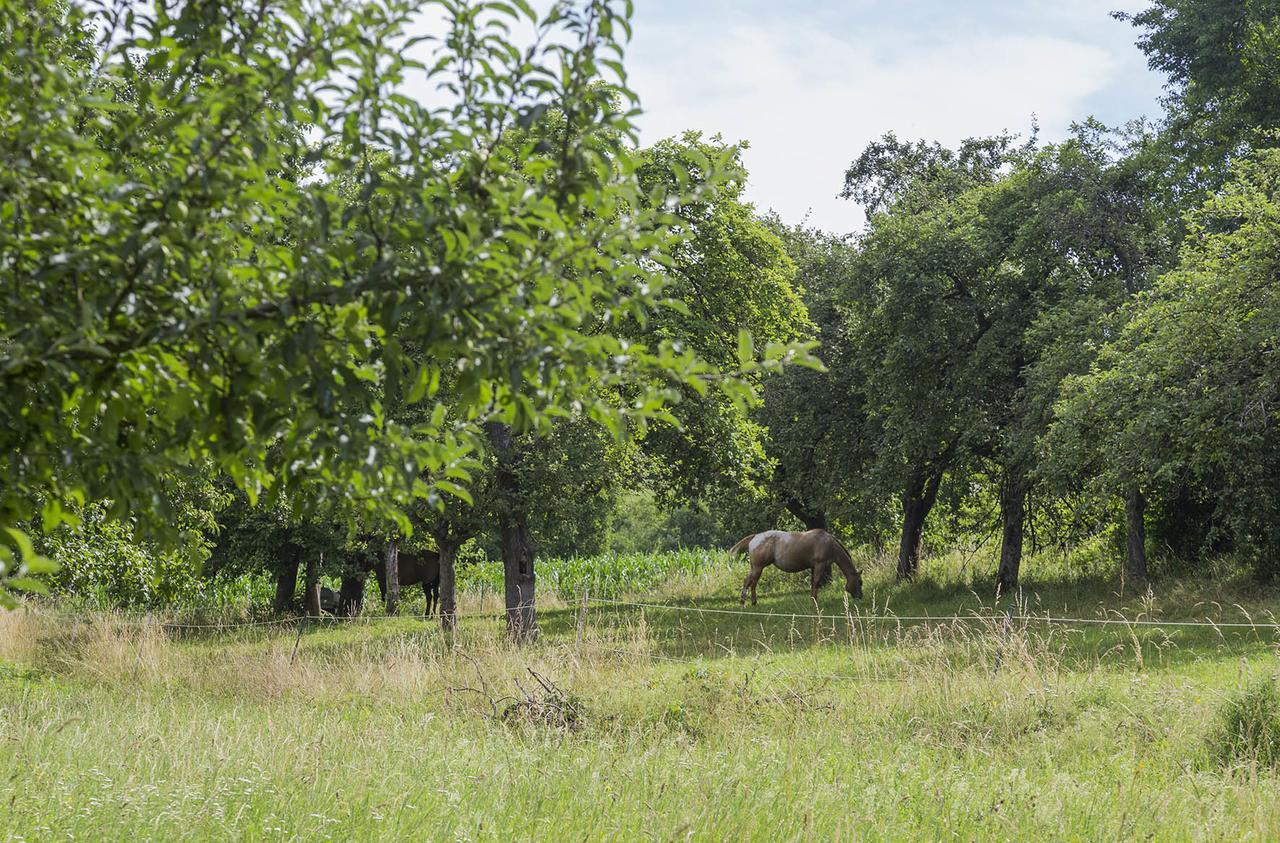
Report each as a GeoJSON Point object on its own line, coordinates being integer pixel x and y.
{"type": "Point", "coordinates": [809, 82]}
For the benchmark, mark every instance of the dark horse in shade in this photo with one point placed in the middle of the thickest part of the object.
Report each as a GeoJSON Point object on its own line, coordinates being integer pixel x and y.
{"type": "Point", "coordinates": [420, 568]}
{"type": "Point", "coordinates": [414, 568]}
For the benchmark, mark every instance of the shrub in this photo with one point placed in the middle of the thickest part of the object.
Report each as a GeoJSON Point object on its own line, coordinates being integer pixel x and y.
{"type": "Point", "coordinates": [1248, 729]}
{"type": "Point", "coordinates": [103, 561]}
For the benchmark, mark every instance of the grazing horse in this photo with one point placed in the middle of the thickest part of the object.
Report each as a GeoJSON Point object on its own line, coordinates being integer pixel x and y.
{"type": "Point", "coordinates": [414, 568]}
{"type": "Point", "coordinates": [328, 600]}
{"type": "Point", "coordinates": [814, 550]}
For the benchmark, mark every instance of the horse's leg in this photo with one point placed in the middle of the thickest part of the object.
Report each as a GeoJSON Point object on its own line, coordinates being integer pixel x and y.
{"type": "Point", "coordinates": [756, 571]}
{"type": "Point", "coordinates": [750, 583]}
{"type": "Point", "coordinates": [817, 574]}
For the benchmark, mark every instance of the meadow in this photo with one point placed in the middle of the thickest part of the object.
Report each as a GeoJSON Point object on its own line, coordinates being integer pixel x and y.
{"type": "Point", "coordinates": [678, 718]}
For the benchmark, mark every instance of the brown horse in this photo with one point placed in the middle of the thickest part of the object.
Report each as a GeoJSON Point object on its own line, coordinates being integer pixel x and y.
{"type": "Point", "coordinates": [414, 568]}
{"type": "Point", "coordinates": [814, 551]}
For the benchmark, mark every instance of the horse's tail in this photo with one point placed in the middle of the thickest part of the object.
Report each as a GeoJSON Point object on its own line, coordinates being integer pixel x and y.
{"type": "Point", "coordinates": [741, 546]}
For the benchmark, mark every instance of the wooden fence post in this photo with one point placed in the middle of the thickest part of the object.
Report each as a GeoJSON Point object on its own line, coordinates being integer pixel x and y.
{"type": "Point", "coordinates": [582, 615]}
{"type": "Point", "coordinates": [297, 642]}
{"type": "Point", "coordinates": [391, 564]}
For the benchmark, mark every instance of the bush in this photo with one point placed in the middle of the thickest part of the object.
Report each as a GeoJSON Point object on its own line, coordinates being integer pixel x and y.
{"type": "Point", "coordinates": [1248, 730]}
{"type": "Point", "coordinates": [103, 561]}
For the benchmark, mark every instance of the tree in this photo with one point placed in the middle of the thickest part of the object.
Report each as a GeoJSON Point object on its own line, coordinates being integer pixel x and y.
{"type": "Point", "coordinates": [1186, 387]}
{"type": "Point", "coordinates": [817, 421]}
{"type": "Point", "coordinates": [1102, 217]}
{"type": "Point", "coordinates": [1088, 226]}
{"type": "Point", "coordinates": [1222, 58]}
{"type": "Point", "coordinates": [732, 288]}
{"type": "Point", "coordinates": [188, 278]}
{"type": "Point", "coordinates": [977, 286]}
{"type": "Point", "coordinates": [923, 307]}
{"type": "Point", "coordinates": [275, 539]}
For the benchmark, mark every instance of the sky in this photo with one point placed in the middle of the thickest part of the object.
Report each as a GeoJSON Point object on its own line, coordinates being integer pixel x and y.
{"type": "Point", "coordinates": [808, 83]}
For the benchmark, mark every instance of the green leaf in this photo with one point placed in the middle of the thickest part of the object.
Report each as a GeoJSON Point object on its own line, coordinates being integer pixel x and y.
{"type": "Point", "coordinates": [459, 492]}
{"type": "Point", "coordinates": [22, 542]}
{"type": "Point", "coordinates": [746, 347]}
{"type": "Point", "coordinates": [27, 584]}
{"type": "Point", "coordinates": [40, 565]}
{"type": "Point", "coordinates": [52, 515]}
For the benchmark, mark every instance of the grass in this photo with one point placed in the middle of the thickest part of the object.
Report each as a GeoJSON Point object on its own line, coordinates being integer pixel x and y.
{"type": "Point", "coordinates": [1249, 727]}
{"type": "Point", "coordinates": [654, 723]}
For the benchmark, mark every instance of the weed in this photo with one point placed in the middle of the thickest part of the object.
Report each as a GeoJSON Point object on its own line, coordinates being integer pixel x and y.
{"type": "Point", "coordinates": [1247, 732]}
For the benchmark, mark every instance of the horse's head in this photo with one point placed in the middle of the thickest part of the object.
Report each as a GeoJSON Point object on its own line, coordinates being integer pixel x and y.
{"type": "Point", "coordinates": [854, 585]}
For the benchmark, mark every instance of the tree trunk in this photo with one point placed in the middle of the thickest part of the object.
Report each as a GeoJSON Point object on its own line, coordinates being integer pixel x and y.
{"type": "Point", "coordinates": [1013, 514]}
{"type": "Point", "coordinates": [1135, 566]}
{"type": "Point", "coordinates": [917, 500]}
{"type": "Point", "coordinates": [313, 585]}
{"type": "Point", "coordinates": [286, 585]}
{"type": "Point", "coordinates": [391, 565]}
{"type": "Point", "coordinates": [812, 519]}
{"type": "Point", "coordinates": [448, 583]}
{"type": "Point", "coordinates": [518, 578]}
{"type": "Point", "coordinates": [912, 535]}
{"type": "Point", "coordinates": [515, 540]}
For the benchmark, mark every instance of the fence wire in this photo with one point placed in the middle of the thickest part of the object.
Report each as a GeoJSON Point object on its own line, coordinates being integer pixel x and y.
{"type": "Point", "coordinates": [970, 618]}
{"type": "Point", "coordinates": [857, 617]}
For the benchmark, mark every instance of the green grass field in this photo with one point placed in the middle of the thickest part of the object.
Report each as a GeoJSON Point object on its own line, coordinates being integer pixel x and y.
{"type": "Point", "coordinates": [634, 723]}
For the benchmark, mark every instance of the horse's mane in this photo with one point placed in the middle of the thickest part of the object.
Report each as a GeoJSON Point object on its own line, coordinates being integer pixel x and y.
{"type": "Point", "coordinates": [847, 555]}
{"type": "Point", "coordinates": [840, 544]}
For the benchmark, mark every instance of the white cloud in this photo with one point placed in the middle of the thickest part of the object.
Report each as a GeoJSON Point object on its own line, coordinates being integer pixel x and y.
{"type": "Point", "coordinates": [808, 101]}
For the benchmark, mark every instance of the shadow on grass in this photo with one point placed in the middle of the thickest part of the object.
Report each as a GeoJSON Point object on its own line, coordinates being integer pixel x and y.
{"type": "Point", "coordinates": [715, 625]}
{"type": "Point", "coordinates": [712, 624]}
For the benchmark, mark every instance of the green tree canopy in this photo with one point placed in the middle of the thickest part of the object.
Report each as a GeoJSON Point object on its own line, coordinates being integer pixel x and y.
{"type": "Point", "coordinates": [1222, 59]}
{"type": "Point", "coordinates": [1187, 388]}
{"type": "Point", "coordinates": [216, 222]}
{"type": "Point", "coordinates": [732, 285]}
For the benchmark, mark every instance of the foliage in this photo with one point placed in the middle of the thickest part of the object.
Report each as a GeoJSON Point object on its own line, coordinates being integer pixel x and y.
{"type": "Point", "coordinates": [1222, 60]}
{"type": "Point", "coordinates": [818, 421]}
{"type": "Point", "coordinates": [570, 475]}
{"type": "Point", "coordinates": [102, 561]}
{"type": "Point", "coordinates": [932, 314]}
{"type": "Point", "coordinates": [892, 172]}
{"type": "Point", "coordinates": [219, 220]}
{"type": "Point", "coordinates": [1185, 391]}
{"type": "Point", "coordinates": [250, 539]}
{"type": "Point", "coordinates": [732, 287]}
{"type": "Point", "coordinates": [640, 524]}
